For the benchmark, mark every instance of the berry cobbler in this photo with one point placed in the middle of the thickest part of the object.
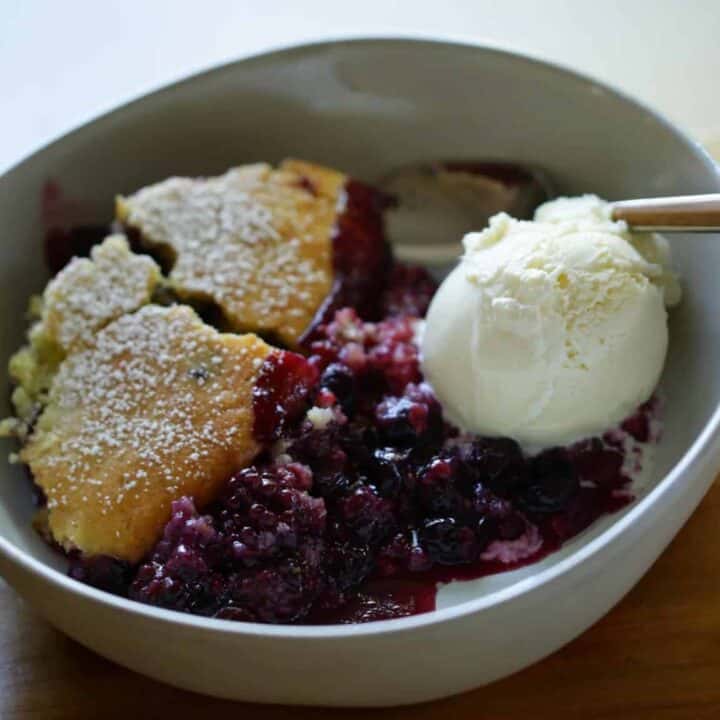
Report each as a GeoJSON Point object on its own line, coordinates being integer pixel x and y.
{"type": "Point", "coordinates": [223, 408]}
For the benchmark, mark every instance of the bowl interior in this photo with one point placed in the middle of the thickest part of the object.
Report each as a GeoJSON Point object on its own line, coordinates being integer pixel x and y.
{"type": "Point", "coordinates": [365, 107]}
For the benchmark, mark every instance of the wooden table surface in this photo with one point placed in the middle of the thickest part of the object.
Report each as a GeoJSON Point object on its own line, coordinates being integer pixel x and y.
{"type": "Point", "coordinates": [654, 657]}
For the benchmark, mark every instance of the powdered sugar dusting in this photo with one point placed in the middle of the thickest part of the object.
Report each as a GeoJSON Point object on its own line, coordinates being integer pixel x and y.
{"type": "Point", "coordinates": [254, 241]}
{"type": "Point", "coordinates": [88, 294]}
{"type": "Point", "coordinates": [157, 407]}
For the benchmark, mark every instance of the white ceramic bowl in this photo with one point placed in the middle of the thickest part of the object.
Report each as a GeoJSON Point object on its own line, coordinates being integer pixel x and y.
{"type": "Point", "coordinates": [365, 106]}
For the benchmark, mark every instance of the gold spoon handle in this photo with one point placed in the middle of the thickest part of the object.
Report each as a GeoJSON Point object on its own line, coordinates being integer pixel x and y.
{"type": "Point", "coordinates": [686, 213]}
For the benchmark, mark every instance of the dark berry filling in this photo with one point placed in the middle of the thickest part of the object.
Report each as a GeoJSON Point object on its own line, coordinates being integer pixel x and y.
{"type": "Point", "coordinates": [361, 257]}
{"type": "Point", "coordinates": [255, 556]}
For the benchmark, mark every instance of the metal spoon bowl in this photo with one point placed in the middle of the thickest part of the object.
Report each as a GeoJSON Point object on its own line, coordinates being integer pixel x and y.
{"type": "Point", "coordinates": [438, 203]}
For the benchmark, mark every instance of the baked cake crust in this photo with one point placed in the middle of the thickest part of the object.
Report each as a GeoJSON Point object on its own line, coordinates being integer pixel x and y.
{"type": "Point", "coordinates": [89, 293]}
{"type": "Point", "coordinates": [81, 299]}
{"type": "Point", "coordinates": [157, 407]}
{"type": "Point", "coordinates": [256, 241]}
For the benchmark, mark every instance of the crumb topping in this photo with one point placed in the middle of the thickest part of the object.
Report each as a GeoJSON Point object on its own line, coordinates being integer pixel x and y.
{"type": "Point", "coordinates": [255, 241]}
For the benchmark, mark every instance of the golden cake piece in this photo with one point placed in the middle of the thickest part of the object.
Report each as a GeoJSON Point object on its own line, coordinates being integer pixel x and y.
{"type": "Point", "coordinates": [256, 242]}
{"type": "Point", "coordinates": [80, 300]}
{"type": "Point", "coordinates": [158, 406]}
{"type": "Point", "coordinates": [87, 294]}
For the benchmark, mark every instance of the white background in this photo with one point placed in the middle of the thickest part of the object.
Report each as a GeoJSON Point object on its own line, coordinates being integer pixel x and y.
{"type": "Point", "coordinates": [63, 61]}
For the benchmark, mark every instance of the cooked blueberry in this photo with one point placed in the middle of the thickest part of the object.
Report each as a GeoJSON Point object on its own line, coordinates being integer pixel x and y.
{"type": "Point", "coordinates": [487, 504]}
{"type": "Point", "coordinates": [498, 463]}
{"type": "Point", "coordinates": [552, 483]}
{"type": "Point", "coordinates": [346, 566]}
{"type": "Point", "coordinates": [437, 487]}
{"type": "Point", "coordinates": [340, 380]}
{"type": "Point", "coordinates": [331, 484]}
{"type": "Point", "coordinates": [368, 516]}
{"type": "Point", "coordinates": [407, 419]}
{"type": "Point", "coordinates": [598, 464]}
{"type": "Point", "coordinates": [447, 542]}
{"type": "Point", "coordinates": [199, 373]}
{"type": "Point", "coordinates": [387, 471]}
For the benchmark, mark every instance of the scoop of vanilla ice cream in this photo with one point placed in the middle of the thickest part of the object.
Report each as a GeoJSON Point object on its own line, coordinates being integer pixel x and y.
{"type": "Point", "coordinates": [591, 212]}
{"type": "Point", "coordinates": [550, 330]}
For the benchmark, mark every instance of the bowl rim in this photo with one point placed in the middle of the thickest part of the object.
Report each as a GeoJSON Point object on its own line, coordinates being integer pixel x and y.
{"type": "Point", "coordinates": [707, 442]}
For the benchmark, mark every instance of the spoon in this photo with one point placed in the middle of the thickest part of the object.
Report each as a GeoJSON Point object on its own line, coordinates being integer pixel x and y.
{"type": "Point", "coordinates": [437, 203]}
{"type": "Point", "coordinates": [683, 213]}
